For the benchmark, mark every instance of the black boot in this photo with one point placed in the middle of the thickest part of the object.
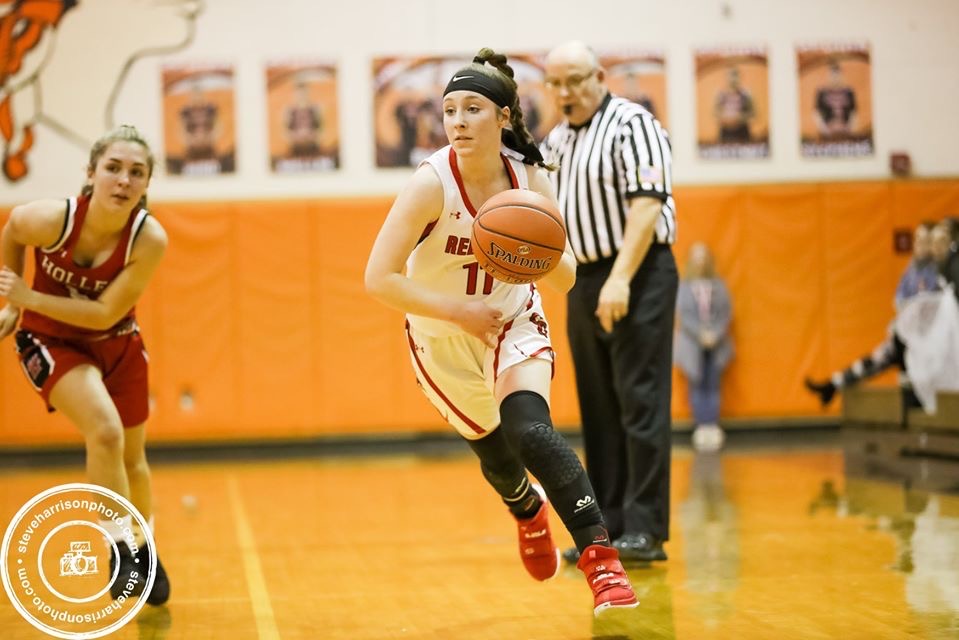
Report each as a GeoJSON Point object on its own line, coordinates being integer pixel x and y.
{"type": "Point", "coordinates": [825, 390]}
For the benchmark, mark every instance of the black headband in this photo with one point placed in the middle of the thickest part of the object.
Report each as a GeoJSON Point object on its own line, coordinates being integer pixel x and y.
{"type": "Point", "coordinates": [469, 79]}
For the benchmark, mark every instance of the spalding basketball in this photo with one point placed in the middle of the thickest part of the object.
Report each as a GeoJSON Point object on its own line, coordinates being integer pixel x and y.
{"type": "Point", "coordinates": [518, 236]}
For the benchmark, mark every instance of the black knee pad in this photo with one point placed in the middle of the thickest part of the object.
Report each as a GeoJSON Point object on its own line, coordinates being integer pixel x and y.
{"type": "Point", "coordinates": [529, 429]}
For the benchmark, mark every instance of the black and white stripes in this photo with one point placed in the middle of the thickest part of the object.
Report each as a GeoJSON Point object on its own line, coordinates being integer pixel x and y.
{"type": "Point", "coordinates": [622, 153]}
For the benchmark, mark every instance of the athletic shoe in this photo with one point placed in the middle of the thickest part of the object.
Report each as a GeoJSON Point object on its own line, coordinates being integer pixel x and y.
{"type": "Point", "coordinates": [708, 438]}
{"type": "Point", "coordinates": [128, 567]}
{"type": "Point", "coordinates": [607, 578]}
{"type": "Point", "coordinates": [536, 547]}
{"type": "Point", "coordinates": [160, 592]}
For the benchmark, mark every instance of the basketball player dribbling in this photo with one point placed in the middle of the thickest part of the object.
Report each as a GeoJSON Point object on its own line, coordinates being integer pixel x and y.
{"type": "Point", "coordinates": [78, 343]}
{"type": "Point", "coordinates": [480, 347]}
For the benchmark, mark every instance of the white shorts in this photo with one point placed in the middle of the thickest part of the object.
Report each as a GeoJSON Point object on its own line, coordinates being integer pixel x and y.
{"type": "Point", "coordinates": [458, 373]}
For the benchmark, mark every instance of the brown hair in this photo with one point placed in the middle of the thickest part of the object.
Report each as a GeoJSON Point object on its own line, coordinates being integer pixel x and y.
{"type": "Point", "coordinates": [123, 133]}
{"type": "Point", "coordinates": [517, 137]}
{"type": "Point", "coordinates": [709, 267]}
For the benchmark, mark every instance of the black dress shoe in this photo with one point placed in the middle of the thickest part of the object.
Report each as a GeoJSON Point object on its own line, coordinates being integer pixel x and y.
{"type": "Point", "coordinates": [640, 547]}
{"type": "Point", "coordinates": [825, 390]}
{"type": "Point", "coordinates": [571, 555]}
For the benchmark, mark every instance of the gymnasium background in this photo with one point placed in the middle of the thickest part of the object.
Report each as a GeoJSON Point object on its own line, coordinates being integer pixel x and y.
{"type": "Point", "coordinates": [257, 323]}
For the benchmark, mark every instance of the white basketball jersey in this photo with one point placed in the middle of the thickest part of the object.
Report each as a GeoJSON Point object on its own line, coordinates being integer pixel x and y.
{"type": "Point", "coordinates": [443, 259]}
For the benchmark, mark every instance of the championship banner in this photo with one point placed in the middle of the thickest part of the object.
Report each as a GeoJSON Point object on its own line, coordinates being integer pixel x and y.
{"type": "Point", "coordinates": [199, 120]}
{"type": "Point", "coordinates": [835, 100]}
{"type": "Point", "coordinates": [732, 111]}
{"type": "Point", "coordinates": [303, 121]}
{"type": "Point", "coordinates": [639, 76]}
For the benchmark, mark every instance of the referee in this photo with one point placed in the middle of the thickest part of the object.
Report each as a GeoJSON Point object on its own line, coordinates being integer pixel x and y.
{"type": "Point", "coordinates": [614, 187]}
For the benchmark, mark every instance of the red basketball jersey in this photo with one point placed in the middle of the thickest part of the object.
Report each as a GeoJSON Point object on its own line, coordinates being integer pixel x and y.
{"type": "Point", "coordinates": [57, 274]}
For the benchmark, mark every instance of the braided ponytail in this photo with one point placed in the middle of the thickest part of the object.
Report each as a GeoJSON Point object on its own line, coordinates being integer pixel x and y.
{"type": "Point", "coordinates": [517, 137]}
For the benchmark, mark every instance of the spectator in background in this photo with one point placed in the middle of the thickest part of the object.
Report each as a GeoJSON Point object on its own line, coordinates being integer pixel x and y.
{"type": "Point", "coordinates": [703, 346]}
{"type": "Point", "coordinates": [920, 275]}
{"type": "Point", "coordinates": [945, 251]}
{"type": "Point", "coordinates": [929, 327]}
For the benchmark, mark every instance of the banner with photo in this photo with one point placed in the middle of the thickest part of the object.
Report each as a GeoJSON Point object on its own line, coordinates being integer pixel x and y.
{"type": "Point", "coordinates": [529, 71]}
{"type": "Point", "coordinates": [835, 100]}
{"type": "Point", "coordinates": [407, 120]}
{"type": "Point", "coordinates": [732, 111]}
{"type": "Point", "coordinates": [639, 76]}
{"type": "Point", "coordinates": [408, 93]}
{"type": "Point", "coordinates": [303, 120]}
{"type": "Point", "coordinates": [199, 120]}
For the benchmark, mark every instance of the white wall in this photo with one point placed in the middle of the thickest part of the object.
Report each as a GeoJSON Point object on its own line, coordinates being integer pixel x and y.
{"type": "Point", "coordinates": [915, 79]}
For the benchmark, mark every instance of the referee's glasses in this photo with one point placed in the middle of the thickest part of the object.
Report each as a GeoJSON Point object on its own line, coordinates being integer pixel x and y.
{"type": "Point", "coordinates": [572, 83]}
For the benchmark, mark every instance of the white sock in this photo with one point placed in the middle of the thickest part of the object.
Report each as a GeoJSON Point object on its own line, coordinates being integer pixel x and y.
{"type": "Point", "coordinates": [114, 530]}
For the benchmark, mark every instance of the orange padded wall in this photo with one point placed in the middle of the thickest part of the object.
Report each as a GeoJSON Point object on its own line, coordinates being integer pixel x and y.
{"type": "Point", "coordinates": [258, 325]}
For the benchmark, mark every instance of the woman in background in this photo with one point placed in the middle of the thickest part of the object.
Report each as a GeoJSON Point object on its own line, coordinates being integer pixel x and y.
{"type": "Point", "coordinates": [703, 346]}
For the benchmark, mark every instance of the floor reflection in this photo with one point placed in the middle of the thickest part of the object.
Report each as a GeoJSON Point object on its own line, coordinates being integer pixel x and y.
{"type": "Point", "coordinates": [711, 541]}
{"type": "Point", "coordinates": [914, 500]}
{"type": "Point", "coordinates": [765, 543]}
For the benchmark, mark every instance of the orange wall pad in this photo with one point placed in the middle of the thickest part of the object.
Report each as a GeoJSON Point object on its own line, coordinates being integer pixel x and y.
{"type": "Point", "coordinates": [258, 325]}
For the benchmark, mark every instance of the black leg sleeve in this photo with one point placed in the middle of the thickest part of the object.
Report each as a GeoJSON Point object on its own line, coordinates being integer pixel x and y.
{"type": "Point", "coordinates": [528, 429]}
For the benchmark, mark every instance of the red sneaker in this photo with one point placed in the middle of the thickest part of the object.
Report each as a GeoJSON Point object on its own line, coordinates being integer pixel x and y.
{"type": "Point", "coordinates": [536, 548]}
{"type": "Point", "coordinates": [607, 578]}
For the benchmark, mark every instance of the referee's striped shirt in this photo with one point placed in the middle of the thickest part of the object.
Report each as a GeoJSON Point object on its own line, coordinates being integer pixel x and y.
{"type": "Point", "coordinates": [622, 153]}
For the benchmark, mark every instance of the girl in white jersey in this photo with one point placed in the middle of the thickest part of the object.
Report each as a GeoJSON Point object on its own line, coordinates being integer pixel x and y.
{"type": "Point", "coordinates": [480, 347]}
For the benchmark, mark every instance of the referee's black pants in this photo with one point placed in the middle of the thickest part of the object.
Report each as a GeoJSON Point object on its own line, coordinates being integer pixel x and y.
{"type": "Point", "coordinates": [624, 382]}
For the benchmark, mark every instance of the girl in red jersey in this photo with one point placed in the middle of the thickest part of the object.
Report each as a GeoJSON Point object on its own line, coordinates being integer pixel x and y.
{"type": "Point", "coordinates": [480, 347]}
{"type": "Point", "coordinates": [78, 343]}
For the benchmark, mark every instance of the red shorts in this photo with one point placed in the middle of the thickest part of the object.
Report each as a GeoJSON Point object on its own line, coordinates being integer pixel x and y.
{"type": "Point", "coordinates": [122, 361]}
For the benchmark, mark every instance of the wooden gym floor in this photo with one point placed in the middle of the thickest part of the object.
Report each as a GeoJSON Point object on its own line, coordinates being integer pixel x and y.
{"type": "Point", "coordinates": [765, 543]}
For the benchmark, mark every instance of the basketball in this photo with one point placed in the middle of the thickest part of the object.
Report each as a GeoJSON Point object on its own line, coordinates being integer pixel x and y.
{"type": "Point", "coordinates": [518, 236]}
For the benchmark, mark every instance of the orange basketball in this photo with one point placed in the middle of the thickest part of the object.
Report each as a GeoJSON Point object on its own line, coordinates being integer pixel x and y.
{"type": "Point", "coordinates": [518, 236]}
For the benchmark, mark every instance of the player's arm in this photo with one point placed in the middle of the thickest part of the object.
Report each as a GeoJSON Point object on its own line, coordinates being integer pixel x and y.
{"type": "Point", "coordinates": [419, 204]}
{"type": "Point", "coordinates": [637, 238]}
{"type": "Point", "coordinates": [116, 300]}
{"type": "Point", "coordinates": [646, 196]}
{"type": "Point", "coordinates": [563, 277]}
{"type": "Point", "coordinates": [37, 223]}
